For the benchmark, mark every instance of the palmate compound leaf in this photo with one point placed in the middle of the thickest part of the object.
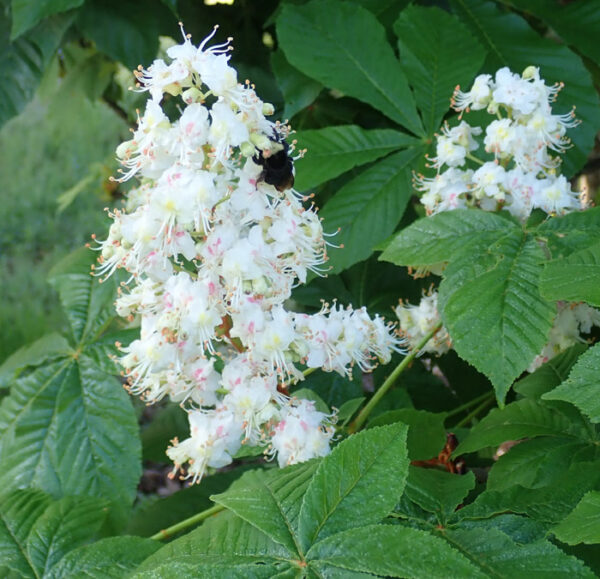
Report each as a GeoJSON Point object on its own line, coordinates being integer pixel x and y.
{"type": "Point", "coordinates": [360, 62]}
{"type": "Point", "coordinates": [437, 52]}
{"type": "Point", "coordinates": [332, 151]}
{"type": "Point", "coordinates": [575, 278]}
{"type": "Point", "coordinates": [36, 532]}
{"type": "Point", "coordinates": [367, 209]}
{"type": "Point", "coordinates": [491, 305]}
{"type": "Point", "coordinates": [68, 427]}
{"type": "Point", "coordinates": [582, 525]}
{"type": "Point", "coordinates": [582, 388]}
{"type": "Point", "coordinates": [510, 41]}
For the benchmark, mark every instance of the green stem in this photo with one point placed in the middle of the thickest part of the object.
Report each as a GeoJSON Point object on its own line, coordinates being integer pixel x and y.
{"type": "Point", "coordinates": [475, 159]}
{"type": "Point", "coordinates": [187, 523]}
{"type": "Point", "coordinates": [468, 404]}
{"type": "Point", "coordinates": [391, 379]}
{"type": "Point", "coordinates": [474, 412]}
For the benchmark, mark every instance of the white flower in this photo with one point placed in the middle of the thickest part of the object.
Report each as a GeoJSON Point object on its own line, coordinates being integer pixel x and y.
{"type": "Point", "coordinates": [214, 252]}
{"type": "Point", "coordinates": [301, 434]}
{"type": "Point", "coordinates": [489, 181]}
{"type": "Point", "coordinates": [477, 98]}
{"type": "Point", "coordinates": [555, 196]}
{"type": "Point", "coordinates": [571, 320]}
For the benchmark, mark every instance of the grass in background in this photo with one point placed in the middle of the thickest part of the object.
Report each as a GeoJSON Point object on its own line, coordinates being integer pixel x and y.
{"type": "Point", "coordinates": [45, 151]}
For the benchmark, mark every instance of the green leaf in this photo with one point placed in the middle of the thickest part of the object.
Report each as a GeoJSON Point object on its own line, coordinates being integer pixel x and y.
{"type": "Point", "coordinates": [22, 62]}
{"type": "Point", "coordinates": [263, 500]}
{"type": "Point", "coordinates": [550, 503]}
{"type": "Point", "coordinates": [576, 22]}
{"type": "Point", "coordinates": [111, 558]}
{"type": "Point", "coordinates": [539, 462]}
{"type": "Point", "coordinates": [69, 429]}
{"type": "Point", "coordinates": [499, 556]}
{"type": "Point", "coordinates": [46, 348]}
{"type": "Point", "coordinates": [64, 525]}
{"type": "Point", "coordinates": [26, 14]}
{"type": "Point", "coordinates": [510, 41]}
{"type": "Point", "coordinates": [437, 52]}
{"type": "Point", "coordinates": [437, 491]}
{"type": "Point", "coordinates": [367, 209]}
{"type": "Point", "coordinates": [550, 374]}
{"type": "Point", "coordinates": [224, 546]}
{"type": "Point", "coordinates": [582, 525]}
{"type": "Point", "coordinates": [524, 418]}
{"type": "Point", "coordinates": [389, 551]}
{"type": "Point", "coordinates": [342, 493]}
{"type": "Point", "coordinates": [360, 62]}
{"type": "Point", "coordinates": [438, 238]}
{"type": "Point", "coordinates": [122, 30]}
{"type": "Point", "coordinates": [299, 91]}
{"type": "Point", "coordinates": [582, 388]}
{"type": "Point", "coordinates": [86, 301]}
{"type": "Point", "coordinates": [332, 151]}
{"type": "Point", "coordinates": [519, 528]}
{"type": "Point", "coordinates": [491, 306]}
{"type": "Point", "coordinates": [426, 432]}
{"type": "Point", "coordinates": [19, 512]}
{"type": "Point", "coordinates": [575, 278]}
{"type": "Point", "coordinates": [571, 232]}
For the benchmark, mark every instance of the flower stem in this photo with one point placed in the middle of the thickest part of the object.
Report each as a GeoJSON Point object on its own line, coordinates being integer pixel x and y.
{"type": "Point", "coordinates": [391, 379]}
{"type": "Point", "coordinates": [475, 159]}
{"type": "Point", "coordinates": [187, 523]}
{"type": "Point", "coordinates": [468, 404]}
{"type": "Point", "coordinates": [475, 412]}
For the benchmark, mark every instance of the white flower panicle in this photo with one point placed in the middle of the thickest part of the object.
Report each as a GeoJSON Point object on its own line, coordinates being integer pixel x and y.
{"type": "Point", "coordinates": [416, 322]}
{"type": "Point", "coordinates": [518, 164]}
{"type": "Point", "coordinates": [214, 245]}
{"type": "Point", "coordinates": [572, 320]}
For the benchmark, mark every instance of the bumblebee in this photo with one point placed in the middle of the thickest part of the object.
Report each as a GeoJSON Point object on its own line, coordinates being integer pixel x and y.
{"type": "Point", "coordinates": [278, 166]}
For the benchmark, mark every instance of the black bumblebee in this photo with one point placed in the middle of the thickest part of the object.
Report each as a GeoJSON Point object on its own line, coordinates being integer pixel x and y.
{"type": "Point", "coordinates": [278, 166]}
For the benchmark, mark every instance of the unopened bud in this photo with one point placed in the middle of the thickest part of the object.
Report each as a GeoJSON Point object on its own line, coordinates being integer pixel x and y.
{"type": "Point", "coordinates": [125, 149]}
{"type": "Point", "coordinates": [248, 149]}
{"type": "Point", "coordinates": [261, 141]}
{"type": "Point", "coordinates": [268, 109]}
{"type": "Point", "coordinates": [191, 95]}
